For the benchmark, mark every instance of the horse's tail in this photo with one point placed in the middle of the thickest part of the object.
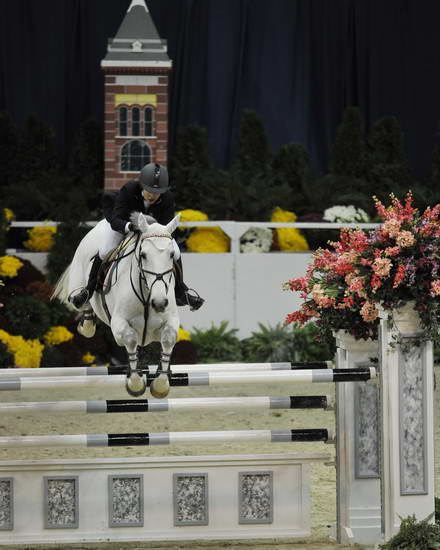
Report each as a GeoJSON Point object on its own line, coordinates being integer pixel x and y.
{"type": "Point", "coordinates": [61, 290]}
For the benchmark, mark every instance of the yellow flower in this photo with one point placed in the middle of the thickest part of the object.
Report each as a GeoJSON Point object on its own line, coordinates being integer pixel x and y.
{"type": "Point", "coordinates": [57, 335]}
{"type": "Point", "coordinates": [40, 238]}
{"type": "Point", "coordinates": [9, 215]}
{"type": "Point", "coordinates": [183, 335]}
{"type": "Point", "coordinates": [9, 266]}
{"type": "Point", "coordinates": [208, 239]}
{"type": "Point", "coordinates": [88, 358]}
{"type": "Point", "coordinates": [289, 239]}
{"type": "Point", "coordinates": [192, 216]}
{"type": "Point", "coordinates": [27, 353]}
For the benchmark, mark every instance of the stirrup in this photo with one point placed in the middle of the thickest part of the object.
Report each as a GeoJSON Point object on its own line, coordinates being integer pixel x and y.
{"type": "Point", "coordinates": [194, 302]}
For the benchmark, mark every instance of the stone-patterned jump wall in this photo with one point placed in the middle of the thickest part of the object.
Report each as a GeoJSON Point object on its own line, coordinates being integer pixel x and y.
{"type": "Point", "coordinates": [181, 498]}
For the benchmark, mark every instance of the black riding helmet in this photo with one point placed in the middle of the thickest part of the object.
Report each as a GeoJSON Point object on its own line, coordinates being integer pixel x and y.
{"type": "Point", "coordinates": [154, 178]}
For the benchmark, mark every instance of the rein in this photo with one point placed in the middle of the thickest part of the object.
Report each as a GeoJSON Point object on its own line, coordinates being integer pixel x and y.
{"type": "Point", "coordinates": [142, 281]}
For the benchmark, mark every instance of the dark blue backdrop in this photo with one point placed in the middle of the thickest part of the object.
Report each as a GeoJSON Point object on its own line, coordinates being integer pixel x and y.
{"type": "Point", "coordinates": [298, 63]}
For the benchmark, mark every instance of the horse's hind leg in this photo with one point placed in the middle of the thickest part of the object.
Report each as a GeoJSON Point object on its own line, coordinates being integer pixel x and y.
{"type": "Point", "coordinates": [160, 386]}
{"type": "Point", "coordinates": [126, 336]}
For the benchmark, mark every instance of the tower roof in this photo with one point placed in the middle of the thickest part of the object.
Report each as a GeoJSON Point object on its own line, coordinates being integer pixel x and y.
{"type": "Point", "coordinates": [137, 42]}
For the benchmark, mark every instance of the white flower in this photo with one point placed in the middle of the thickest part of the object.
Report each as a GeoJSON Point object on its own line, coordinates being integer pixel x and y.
{"type": "Point", "coordinates": [256, 239]}
{"type": "Point", "coordinates": [345, 214]}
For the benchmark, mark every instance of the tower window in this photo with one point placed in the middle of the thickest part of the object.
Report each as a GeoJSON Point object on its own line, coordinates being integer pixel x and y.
{"type": "Point", "coordinates": [135, 121]}
{"type": "Point", "coordinates": [123, 121]}
{"type": "Point", "coordinates": [134, 155]}
{"type": "Point", "coordinates": [148, 121]}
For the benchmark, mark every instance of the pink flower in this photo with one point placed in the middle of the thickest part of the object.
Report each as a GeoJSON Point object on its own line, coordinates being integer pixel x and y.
{"type": "Point", "coordinates": [435, 288]}
{"type": "Point", "coordinates": [405, 238]}
{"type": "Point", "coordinates": [392, 251]}
{"type": "Point", "coordinates": [399, 276]}
{"type": "Point", "coordinates": [392, 227]}
{"type": "Point", "coordinates": [369, 312]}
{"type": "Point", "coordinates": [382, 266]}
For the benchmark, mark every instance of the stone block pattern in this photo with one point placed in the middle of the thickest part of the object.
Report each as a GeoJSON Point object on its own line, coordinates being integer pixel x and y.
{"type": "Point", "coordinates": [256, 498]}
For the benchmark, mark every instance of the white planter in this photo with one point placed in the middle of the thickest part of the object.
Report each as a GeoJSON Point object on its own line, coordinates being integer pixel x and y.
{"type": "Point", "coordinates": [407, 319]}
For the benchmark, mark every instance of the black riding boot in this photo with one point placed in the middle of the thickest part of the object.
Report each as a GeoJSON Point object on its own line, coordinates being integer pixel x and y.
{"type": "Point", "coordinates": [86, 293]}
{"type": "Point", "coordinates": [182, 292]}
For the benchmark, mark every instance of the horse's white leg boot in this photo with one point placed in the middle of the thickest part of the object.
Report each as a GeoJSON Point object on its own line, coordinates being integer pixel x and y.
{"type": "Point", "coordinates": [126, 336]}
{"type": "Point", "coordinates": [87, 326]}
{"type": "Point", "coordinates": [160, 386]}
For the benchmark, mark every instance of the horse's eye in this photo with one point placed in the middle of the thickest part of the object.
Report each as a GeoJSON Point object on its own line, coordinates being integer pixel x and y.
{"type": "Point", "coordinates": [172, 254]}
{"type": "Point", "coordinates": [143, 255]}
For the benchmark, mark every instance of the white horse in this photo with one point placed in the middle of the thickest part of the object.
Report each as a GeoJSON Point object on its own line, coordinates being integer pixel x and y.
{"type": "Point", "coordinates": [137, 300]}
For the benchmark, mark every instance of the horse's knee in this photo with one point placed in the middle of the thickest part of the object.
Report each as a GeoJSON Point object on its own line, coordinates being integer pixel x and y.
{"type": "Point", "coordinates": [168, 336]}
{"type": "Point", "coordinates": [125, 336]}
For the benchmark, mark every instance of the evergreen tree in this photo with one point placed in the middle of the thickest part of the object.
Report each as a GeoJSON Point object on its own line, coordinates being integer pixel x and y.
{"type": "Point", "coordinates": [291, 165]}
{"type": "Point", "coordinates": [86, 162]}
{"type": "Point", "coordinates": [345, 184]}
{"type": "Point", "coordinates": [36, 188]}
{"type": "Point", "coordinates": [253, 155]}
{"type": "Point", "coordinates": [387, 168]}
{"type": "Point", "coordinates": [348, 152]}
{"type": "Point", "coordinates": [8, 154]}
{"type": "Point", "coordinates": [191, 167]}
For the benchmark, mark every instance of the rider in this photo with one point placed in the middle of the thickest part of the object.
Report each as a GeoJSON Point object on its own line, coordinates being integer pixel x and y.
{"type": "Point", "coordinates": [150, 194]}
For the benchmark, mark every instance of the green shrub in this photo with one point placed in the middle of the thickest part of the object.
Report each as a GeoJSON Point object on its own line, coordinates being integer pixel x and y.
{"type": "Point", "coordinates": [308, 347]}
{"type": "Point", "coordinates": [269, 344]}
{"type": "Point", "coordinates": [217, 344]}
{"type": "Point", "coordinates": [28, 317]}
{"type": "Point", "coordinates": [6, 358]}
{"type": "Point", "coordinates": [414, 535]}
{"type": "Point", "coordinates": [437, 510]}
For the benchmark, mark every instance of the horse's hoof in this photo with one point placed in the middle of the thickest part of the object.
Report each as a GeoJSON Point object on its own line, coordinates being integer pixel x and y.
{"type": "Point", "coordinates": [135, 385]}
{"type": "Point", "coordinates": [160, 386]}
{"type": "Point", "coordinates": [86, 329]}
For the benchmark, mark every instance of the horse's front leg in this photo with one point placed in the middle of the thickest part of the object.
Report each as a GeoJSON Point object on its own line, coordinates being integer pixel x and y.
{"type": "Point", "coordinates": [160, 386]}
{"type": "Point", "coordinates": [126, 336]}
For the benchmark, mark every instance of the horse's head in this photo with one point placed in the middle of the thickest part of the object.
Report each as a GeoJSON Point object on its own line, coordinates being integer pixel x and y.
{"type": "Point", "coordinates": [156, 254]}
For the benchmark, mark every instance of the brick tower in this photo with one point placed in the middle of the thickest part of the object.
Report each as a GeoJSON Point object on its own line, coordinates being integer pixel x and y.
{"type": "Point", "coordinates": [136, 72]}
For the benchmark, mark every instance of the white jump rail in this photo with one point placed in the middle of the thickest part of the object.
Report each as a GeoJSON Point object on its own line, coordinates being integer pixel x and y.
{"type": "Point", "coordinates": [195, 379]}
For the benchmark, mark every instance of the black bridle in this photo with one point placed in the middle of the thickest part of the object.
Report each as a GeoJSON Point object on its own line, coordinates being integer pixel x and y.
{"type": "Point", "coordinates": [144, 288]}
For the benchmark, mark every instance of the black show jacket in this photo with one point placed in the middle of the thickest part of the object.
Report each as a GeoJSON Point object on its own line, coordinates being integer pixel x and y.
{"type": "Point", "coordinates": [117, 209]}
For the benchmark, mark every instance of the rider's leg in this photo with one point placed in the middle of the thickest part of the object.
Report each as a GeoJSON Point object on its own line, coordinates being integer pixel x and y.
{"type": "Point", "coordinates": [182, 292]}
{"type": "Point", "coordinates": [110, 241]}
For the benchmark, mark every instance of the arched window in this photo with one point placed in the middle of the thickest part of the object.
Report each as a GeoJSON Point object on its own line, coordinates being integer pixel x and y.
{"type": "Point", "coordinates": [123, 121]}
{"type": "Point", "coordinates": [148, 121]}
{"type": "Point", "coordinates": [135, 121]}
{"type": "Point", "coordinates": [134, 155]}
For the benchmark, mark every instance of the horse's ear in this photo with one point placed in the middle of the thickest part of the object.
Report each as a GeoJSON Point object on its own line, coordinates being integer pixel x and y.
{"type": "Point", "coordinates": [172, 225]}
{"type": "Point", "coordinates": [142, 223]}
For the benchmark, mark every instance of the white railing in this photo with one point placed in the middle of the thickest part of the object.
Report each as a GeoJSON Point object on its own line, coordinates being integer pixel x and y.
{"type": "Point", "coordinates": [234, 230]}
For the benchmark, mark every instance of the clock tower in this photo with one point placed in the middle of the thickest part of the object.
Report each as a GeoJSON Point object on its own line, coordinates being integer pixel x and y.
{"type": "Point", "coordinates": [136, 74]}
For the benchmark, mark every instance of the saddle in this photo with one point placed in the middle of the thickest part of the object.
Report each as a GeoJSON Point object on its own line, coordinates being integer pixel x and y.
{"type": "Point", "coordinates": [111, 262]}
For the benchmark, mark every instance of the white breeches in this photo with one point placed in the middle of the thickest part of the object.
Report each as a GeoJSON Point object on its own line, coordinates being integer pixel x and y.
{"type": "Point", "coordinates": [112, 238]}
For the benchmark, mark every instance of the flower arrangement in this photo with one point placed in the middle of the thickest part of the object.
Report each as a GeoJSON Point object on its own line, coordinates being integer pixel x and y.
{"type": "Point", "coordinates": [394, 265]}
{"type": "Point", "coordinates": [9, 266]}
{"type": "Point", "coordinates": [57, 335]}
{"type": "Point", "coordinates": [41, 238]}
{"type": "Point", "coordinates": [256, 239]}
{"type": "Point", "coordinates": [9, 215]}
{"type": "Point", "coordinates": [27, 353]}
{"type": "Point", "coordinates": [183, 335]}
{"type": "Point", "coordinates": [289, 239]}
{"type": "Point", "coordinates": [88, 358]}
{"type": "Point", "coordinates": [203, 239]}
{"type": "Point", "coordinates": [345, 214]}
{"type": "Point", "coordinates": [189, 215]}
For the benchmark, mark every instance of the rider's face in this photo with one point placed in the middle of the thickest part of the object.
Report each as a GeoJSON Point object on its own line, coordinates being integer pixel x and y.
{"type": "Point", "coordinates": [150, 197]}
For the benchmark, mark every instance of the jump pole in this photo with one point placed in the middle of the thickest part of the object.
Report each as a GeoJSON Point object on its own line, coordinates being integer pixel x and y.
{"type": "Point", "coordinates": [168, 438]}
{"type": "Point", "coordinates": [163, 405]}
{"type": "Point", "coordinates": [200, 367]}
{"type": "Point", "coordinates": [196, 379]}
